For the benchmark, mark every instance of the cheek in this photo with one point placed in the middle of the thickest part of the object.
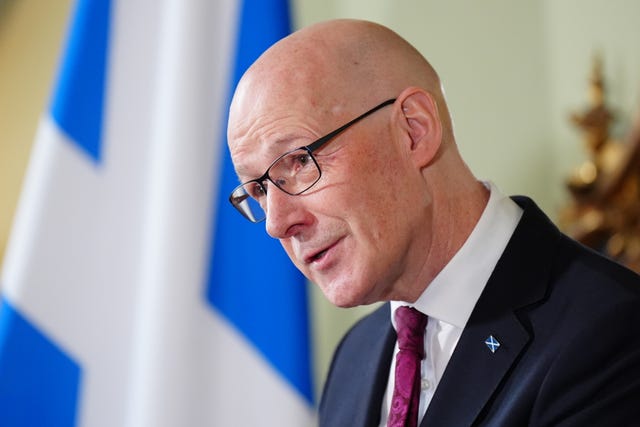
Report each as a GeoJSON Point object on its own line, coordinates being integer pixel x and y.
{"type": "Point", "coordinates": [286, 245]}
{"type": "Point", "coordinates": [380, 204]}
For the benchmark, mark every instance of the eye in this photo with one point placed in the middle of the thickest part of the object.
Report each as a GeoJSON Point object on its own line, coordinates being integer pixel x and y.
{"type": "Point", "coordinates": [301, 160]}
{"type": "Point", "coordinates": [256, 190]}
{"type": "Point", "coordinates": [280, 182]}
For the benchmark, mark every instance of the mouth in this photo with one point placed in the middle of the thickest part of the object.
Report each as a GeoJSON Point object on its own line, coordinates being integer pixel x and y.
{"type": "Point", "coordinates": [316, 257]}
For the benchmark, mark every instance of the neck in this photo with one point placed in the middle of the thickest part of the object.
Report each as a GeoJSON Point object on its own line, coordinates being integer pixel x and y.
{"type": "Point", "coordinates": [455, 215]}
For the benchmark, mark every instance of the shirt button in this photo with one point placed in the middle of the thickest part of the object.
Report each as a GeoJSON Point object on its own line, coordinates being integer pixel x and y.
{"type": "Point", "coordinates": [425, 384]}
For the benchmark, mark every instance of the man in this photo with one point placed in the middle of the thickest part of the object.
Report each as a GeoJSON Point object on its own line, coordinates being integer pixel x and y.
{"type": "Point", "coordinates": [523, 325]}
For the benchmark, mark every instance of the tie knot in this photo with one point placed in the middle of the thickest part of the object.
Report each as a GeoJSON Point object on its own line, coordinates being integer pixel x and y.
{"type": "Point", "coordinates": [410, 324]}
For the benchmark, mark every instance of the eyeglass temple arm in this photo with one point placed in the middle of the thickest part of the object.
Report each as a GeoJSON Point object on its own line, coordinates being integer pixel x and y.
{"type": "Point", "coordinates": [317, 144]}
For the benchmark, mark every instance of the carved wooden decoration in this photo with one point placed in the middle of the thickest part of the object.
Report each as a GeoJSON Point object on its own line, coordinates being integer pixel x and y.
{"type": "Point", "coordinates": [604, 211]}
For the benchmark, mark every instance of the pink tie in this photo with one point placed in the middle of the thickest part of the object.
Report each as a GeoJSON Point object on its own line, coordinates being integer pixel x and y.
{"type": "Point", "coordinates": [406, 394]}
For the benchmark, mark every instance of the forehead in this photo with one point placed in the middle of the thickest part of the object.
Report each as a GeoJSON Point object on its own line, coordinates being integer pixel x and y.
{"type": "Point", "coordinates": [273, 112]}
{"type": "Point", "coordinates": [255, 140]}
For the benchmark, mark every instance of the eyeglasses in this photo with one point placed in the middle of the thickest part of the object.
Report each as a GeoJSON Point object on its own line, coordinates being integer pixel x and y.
{"type": "Point", "coordinates": [294, 172]}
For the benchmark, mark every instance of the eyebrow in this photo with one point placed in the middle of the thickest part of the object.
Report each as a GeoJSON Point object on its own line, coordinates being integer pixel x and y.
{"type": "Point", "coordinates": [243, 170]}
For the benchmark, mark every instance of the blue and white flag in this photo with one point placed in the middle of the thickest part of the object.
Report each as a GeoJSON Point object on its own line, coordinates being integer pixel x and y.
{"type": "Point", "coordinates": [132, 295]}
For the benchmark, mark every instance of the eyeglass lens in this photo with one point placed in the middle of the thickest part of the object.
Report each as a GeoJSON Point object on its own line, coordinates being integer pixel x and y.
{"type": "Point", "coordinates": [294, 173]}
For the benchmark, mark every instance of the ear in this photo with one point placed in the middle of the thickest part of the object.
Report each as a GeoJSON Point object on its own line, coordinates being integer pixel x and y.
{"type": "Point", "coordinates": [420, 121]}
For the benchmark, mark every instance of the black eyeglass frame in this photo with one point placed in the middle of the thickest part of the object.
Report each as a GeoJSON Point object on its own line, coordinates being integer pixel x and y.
{"type": "Point", "coordinates": [310, 148]}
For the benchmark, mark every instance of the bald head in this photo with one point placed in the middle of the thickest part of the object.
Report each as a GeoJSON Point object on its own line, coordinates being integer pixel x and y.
{"type": "Point", "coordinates": [340, 66]}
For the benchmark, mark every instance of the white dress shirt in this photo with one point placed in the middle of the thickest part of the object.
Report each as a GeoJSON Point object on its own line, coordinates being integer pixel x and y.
{"type": "Point", "coordinates": [451, 296]}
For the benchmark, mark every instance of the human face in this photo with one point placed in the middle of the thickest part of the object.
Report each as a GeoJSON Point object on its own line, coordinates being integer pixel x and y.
{"type": "Point", "coordinates": [350, 232]}
{"type": "Point", "coordinates": [294, 172]}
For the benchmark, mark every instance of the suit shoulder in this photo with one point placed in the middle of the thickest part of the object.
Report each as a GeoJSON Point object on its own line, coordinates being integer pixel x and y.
{"type": "Point", "coordinates": [596, 272]}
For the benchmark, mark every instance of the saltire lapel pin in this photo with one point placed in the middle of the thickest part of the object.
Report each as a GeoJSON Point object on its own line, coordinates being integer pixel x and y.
{"type": "Point", "coordinates": [492, 343]}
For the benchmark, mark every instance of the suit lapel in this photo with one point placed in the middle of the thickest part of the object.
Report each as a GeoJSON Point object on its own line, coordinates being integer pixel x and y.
{"type": "Point", "coordinates": [474, 373]}
{"type": "Point", "coordinates": [355, 387]}
{"type": "Point", "coordinates": [375, 385]}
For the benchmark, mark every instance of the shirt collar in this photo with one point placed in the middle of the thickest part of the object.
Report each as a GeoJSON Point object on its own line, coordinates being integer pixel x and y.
{"type": "Point", "coordinates": [453, 293]}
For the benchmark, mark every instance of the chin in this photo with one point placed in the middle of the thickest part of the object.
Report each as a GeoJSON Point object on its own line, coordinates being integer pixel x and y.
{"type": "Point", "coordinates": [344, 295]}
{"type": "Point", "coordinates": [344, 303]}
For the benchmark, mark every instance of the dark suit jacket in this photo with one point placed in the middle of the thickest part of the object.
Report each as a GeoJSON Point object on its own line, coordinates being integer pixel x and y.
{"type": "Point", "coordinates": [568, 322]}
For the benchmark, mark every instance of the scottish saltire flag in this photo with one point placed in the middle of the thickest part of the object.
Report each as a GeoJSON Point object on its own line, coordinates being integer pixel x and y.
{"type": "Point", "coordinates": [132, 295]}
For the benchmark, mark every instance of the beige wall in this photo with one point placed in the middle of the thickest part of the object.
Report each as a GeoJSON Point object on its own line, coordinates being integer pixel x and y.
{"type": "Point", "coordinates": [31, 33]}
{"type": "Point", "coordinates": [512, 70]}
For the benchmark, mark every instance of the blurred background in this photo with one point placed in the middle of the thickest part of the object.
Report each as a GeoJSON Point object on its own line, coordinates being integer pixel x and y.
{"type": "Point", "coordinates": [513, 74]}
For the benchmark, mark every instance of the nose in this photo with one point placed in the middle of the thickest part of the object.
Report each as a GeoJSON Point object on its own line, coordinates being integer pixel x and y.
{"type": "Point", "coordinates": [284, 212]}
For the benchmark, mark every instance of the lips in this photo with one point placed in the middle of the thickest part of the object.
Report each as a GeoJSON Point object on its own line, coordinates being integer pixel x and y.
{"type": "Point", "coordinates": [317, 255]}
